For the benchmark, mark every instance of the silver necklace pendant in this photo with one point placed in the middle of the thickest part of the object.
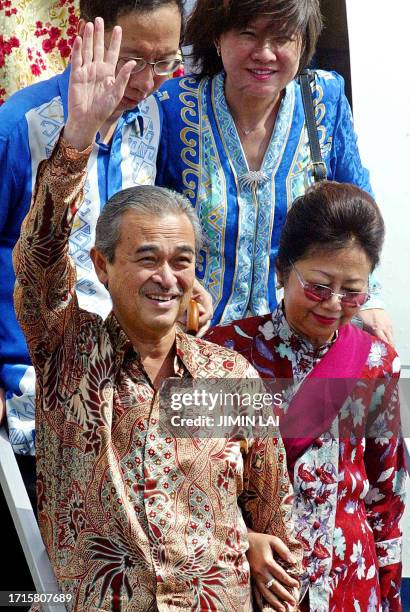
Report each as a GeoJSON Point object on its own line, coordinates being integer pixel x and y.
{"type": "Point", "coordinates": [248, 131]}
{"type": "Point", "coordinates": [253, 178]}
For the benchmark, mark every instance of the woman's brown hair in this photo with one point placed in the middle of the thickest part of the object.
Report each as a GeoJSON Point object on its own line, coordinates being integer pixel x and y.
{"type": "Point", "coordinates": [211, 18]}
{"type": "Point", "coordinates": [330, 216]}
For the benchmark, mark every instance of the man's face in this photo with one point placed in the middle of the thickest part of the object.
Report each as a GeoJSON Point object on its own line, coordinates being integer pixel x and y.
{"type": "Point", "coordinates": [151, 278]}
{"type": "Point", "coordinates": [153, 36]}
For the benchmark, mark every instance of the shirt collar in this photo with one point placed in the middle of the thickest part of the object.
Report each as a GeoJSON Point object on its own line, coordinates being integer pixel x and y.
{"type": "Point", "coordinates": [291, 337]}
{"type": "Point", "coordinates": [120, 342]}
{"type": "Point", "coordinates": [186, 349]}
{"type": "Point", "coordinates": [134, 116]}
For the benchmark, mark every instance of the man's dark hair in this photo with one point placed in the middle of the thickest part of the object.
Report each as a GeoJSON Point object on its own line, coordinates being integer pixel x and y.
{"type": "Point", "coordinates": [329, 217]}
{"type": "Point", "coordinates": [145, 200]}
{"type": "Point", "coordinates": [211, 18]}
{"type": "Point", "coordinates": [112, 10]}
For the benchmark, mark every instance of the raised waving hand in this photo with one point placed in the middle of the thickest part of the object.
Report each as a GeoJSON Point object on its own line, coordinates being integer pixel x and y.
{"type": "Point", "coordinates": [95, 91]}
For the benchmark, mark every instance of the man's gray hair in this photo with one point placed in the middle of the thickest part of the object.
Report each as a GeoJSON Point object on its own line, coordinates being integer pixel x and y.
{"type": "Point", "coordinates": [143, 200]}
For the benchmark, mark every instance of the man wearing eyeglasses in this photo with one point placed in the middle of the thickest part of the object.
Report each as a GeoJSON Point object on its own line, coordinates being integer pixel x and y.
{"type": "Point", "coordinates": [124, 155]}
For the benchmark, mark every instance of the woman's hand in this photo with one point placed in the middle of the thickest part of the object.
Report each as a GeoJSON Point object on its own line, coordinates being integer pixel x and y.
{"type": "Point", "coordinates": [377, 322]}
{"type": "Point", "coordinates": [94, 91]}
{"type": "Point", "coordinates": [201, 295]}
{"type": "Point", "coordinates": [265, 569]}
{"type": "Point", "coordinates": [206, 309]}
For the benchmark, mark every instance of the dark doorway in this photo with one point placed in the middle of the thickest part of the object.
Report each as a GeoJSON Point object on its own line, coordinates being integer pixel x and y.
{"type": "Point", "coordinates": [333, 46]}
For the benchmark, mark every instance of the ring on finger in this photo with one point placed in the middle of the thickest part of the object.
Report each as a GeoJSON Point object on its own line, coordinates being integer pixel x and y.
{"type": "Point", "coordinates": [270, 583]}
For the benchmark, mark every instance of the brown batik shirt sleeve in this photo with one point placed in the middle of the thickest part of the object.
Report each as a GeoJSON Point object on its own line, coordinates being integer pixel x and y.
{"type": "Point", "coordinates": [44, 294]}
{"type": "Point", "coordinates": [267, 496]}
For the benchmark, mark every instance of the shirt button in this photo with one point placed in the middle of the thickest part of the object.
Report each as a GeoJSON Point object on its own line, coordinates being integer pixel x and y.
{"type": "Point", "coordinates": [316, 525]}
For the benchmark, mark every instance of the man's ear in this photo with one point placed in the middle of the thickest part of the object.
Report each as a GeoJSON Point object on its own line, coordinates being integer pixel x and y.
{"type": "Point", "coordinates": [100, 265]}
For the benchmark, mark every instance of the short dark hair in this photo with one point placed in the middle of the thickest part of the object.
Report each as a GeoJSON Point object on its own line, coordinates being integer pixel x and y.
{"type": "Point", "coordinates": [328, 217]}
{"type": "Point", "coordinates": [145, 200]}
{"type": "Point", "coordinates": [112, 10]}
{"type": "Point", "coordinates": [211, 18]}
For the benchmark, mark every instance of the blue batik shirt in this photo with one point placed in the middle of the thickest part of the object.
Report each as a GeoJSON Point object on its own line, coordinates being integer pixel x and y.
{"type": "Point", "coordinates": [30, 124]}
{"type": "Point", "coordinates": [242, 212]}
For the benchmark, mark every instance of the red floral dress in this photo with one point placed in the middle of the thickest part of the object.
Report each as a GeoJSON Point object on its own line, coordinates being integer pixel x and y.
{"type": "Point", "coordinates": [349, 491]}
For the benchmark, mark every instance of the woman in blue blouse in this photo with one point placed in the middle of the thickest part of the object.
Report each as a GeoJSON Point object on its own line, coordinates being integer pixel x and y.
{"type": "Point", "coordinates": [235, 142]}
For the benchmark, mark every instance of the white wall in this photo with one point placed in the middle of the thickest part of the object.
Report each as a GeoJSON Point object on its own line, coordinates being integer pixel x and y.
{"type": "Point", "coordinates": [380, 62]}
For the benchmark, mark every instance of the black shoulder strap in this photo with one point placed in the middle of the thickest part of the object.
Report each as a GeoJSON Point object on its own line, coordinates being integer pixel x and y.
{"type": "Point", "coordinates": [319, 167]}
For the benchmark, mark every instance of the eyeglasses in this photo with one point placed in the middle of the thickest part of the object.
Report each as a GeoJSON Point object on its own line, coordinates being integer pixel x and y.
{"type": "Point", "coordinates": [161, 68]}
{"type": "Point", "coordinates": [321, 293]}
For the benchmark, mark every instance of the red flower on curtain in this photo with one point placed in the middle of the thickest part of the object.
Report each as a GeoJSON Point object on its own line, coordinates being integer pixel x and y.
{"type": "Point", "coordinates": [6, 47]}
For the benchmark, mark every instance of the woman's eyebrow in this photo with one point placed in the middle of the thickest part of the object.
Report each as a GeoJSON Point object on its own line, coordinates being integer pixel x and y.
{"type": "Point", "coordinates": [331, 276]}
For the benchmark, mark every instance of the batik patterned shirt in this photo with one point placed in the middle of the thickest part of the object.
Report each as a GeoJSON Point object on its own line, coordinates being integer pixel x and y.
{"type": "Point", "coordinates": [133, 518]}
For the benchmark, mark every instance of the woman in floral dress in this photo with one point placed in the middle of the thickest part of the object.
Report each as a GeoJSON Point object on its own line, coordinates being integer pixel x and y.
{"type": "Point", "coordinates": [344, 448]}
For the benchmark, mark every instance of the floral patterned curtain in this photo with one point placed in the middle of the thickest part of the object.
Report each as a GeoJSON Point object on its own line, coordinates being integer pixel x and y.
{"type": "Point", "coordinates": [35, 40]}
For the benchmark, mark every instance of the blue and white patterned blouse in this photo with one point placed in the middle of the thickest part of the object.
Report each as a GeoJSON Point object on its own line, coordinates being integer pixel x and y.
{"type": "Point", "coordinates": [201, 155]}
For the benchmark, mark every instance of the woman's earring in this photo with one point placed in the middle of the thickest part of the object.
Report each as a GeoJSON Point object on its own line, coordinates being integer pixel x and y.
{"type": "Point", "coordinates": [218, 50]}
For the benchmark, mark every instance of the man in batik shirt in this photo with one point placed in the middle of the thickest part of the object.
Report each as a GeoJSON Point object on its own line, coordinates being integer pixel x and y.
{"type": "Point", "coordinates": [132, 519]}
